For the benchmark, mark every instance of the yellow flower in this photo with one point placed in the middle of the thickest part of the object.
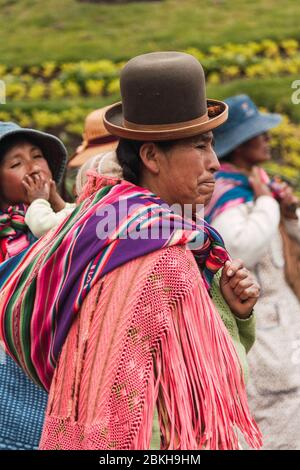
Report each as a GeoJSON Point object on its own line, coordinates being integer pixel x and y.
{"type": "Point", "coordinates": [72, 88]}
{"type": "Point", "coordinates": [48, 69]}
{"type": "Point", "coordinates": [16, 71]}
{"type": "Point", "coordinates": [270, 48]}
{"type": "Point", "coordinates": [3, 70]}
{"type": "Point", "coordinates": [75, 128]}
{"type": "Point", "coordinates": [34, 70]}
{"type": "Point", "coordinates": [94, 87]}
{"type": "Point", "coordinates": [37, 91]}
{"type": "Point", "coordinates": [231, 71]}
{"type": "Point", "coordinates": [199, 55]}
{"type": "Point", "coordinates": [56, 89]}
{"type": "Point", "coordinates": [290, 46]}
{"type": "Point", "coordinates": [214, 78]}
{"type": "Point", "coordinates": [44, 119]}
{"type": "Point", "coordinates": [113, 87]}
{"type": "Point", "coordinates": [15, 91]}
{"type": "Point", "coordinates": [5, 116]}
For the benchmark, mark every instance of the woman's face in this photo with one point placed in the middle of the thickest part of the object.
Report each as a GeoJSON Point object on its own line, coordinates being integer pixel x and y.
{"type": "Point", "coordinates": [187, 171]}
{"type": "Point", "coordinates": [256, 150]}
{"type": "Point", "coordinates": [20, 160]}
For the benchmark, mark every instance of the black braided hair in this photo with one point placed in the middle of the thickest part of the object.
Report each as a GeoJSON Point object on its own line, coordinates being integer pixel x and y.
{"type": "Point", "coordinates": [128, 154]}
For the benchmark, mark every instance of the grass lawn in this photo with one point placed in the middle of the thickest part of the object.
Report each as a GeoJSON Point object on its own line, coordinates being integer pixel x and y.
{"type": "Point", "coordinates": [34, 31]}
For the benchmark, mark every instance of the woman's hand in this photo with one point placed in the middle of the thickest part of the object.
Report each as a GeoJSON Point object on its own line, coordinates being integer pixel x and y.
{"type": "Point", "coordinates": [36, 187]}
{"type": "Point", "coordinates": [260, 188]}
{"type": "Point", "coordinates": [238, 288]}
{"type": "Point", "coordinates": [56, 201]}
{"type": "Point", "coordinates": [288, 202]}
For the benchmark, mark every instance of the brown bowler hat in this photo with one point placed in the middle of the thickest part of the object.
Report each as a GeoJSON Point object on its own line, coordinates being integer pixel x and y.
{"type": "Point", "coordinates": [163, 98]}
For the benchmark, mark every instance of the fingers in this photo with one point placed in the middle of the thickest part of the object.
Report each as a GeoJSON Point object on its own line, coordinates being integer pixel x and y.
{"type": "Point", "coordinates": [251, 292]}
{"type": "Point", "coordinates": [241, 285]}
{"type": "Point", "coordinates": [36, 186]}
{"type": "Point", "coordinates": [231, 267]}
{"type": "Point", "coordinates": [28, 179]}
{"type": "Point", "coordinates": [286, 192]}
{"type": "Point", "coordinates": [240, 275]}
{"type": "Point", "coordinates": [255, 172]}
{"type": "Point", "coordinates": [29, 183]}
{"type": "Point", "coordinates": [52, 186]}
{"type": "Point", "coordinates": [248, 305]}
{"type": "Point", "coordinates": [26, 185]}
{"type": "Point", "coordinates": [247, 288]}
{"type": "Point", "coordinates": [36, 180]}
{"type": "Point", "coordinates": [241, 281]}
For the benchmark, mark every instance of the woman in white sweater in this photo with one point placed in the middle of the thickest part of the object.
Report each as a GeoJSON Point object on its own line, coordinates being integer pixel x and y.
{"type": "Point", "coordinates": [247, 209]}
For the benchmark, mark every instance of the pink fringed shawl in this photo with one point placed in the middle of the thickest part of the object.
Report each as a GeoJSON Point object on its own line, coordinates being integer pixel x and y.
{"type": "Point", "coordinates": [148, 334]}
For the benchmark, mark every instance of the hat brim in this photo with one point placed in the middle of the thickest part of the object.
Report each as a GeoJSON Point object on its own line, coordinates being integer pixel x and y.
{"type": "Point", "coordinates": [114, 122]}
{"type": "Point", "coordinates": [53, 149]}
{"type": "Point", "coordinates": [79, 159]}
{"type": "Point", "coordinates": [227, 141]}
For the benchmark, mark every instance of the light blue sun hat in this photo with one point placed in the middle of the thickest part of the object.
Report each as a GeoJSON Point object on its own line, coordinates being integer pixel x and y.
{"type": "Point", "coordinates": [244, 122]}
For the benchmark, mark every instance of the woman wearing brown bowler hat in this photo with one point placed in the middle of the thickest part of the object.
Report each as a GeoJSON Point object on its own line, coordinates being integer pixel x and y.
{"type": "Point", "coordinates": [133, 328]}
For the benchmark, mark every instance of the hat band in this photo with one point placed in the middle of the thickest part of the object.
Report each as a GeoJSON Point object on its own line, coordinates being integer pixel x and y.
{"type": "Point", "coordinates": [96, 142]}
{"type": "Point", "coordinates": [101, 140]}
{"type": "Point", "coordinates": [161, 127]}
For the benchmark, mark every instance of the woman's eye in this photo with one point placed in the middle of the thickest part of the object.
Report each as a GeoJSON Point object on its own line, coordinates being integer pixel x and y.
{"type": "Point", "coordinates": [15, 165]}
{"type": "Point", "coordinates": [37, 156]}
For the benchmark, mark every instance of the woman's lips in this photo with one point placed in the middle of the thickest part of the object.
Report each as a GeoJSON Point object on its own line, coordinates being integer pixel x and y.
{"type": "Point", "coordinates": [206, 187]}
{"type": "Point", "coordinates": [209, 183]}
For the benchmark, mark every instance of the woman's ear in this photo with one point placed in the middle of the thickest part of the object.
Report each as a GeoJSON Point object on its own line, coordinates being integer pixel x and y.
{"type": "Point", "coordinates": [150, 156]}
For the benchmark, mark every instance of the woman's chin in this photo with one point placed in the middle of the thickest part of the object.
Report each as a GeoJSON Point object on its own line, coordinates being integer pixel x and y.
{"type": "Point", "coordinates": [204, 199]}
{"type": "Point", "coordinates": [208, 199]}
{"type": "Point", "coordinates": [264, 158]}
{"type": "Point", "coordinates": [206, 196]}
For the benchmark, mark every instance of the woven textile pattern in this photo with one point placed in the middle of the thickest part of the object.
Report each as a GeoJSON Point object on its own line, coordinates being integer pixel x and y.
{"type": "Point", "coordinates": [22, 408]}
{"type": "Point", "coordinates": [44, 293]}
{"type": "Point", "coordinates": [14, 233]}
{"type": "Point", "coordinates": [143, 338]}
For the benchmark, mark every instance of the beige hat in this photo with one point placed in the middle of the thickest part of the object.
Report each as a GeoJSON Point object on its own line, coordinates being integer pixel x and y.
{"type": "Point", "coordinates": [96, 139]}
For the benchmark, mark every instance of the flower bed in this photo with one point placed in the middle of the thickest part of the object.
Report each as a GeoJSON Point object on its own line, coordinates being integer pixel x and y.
{"type": "Point", "coordinates": [100, 78]}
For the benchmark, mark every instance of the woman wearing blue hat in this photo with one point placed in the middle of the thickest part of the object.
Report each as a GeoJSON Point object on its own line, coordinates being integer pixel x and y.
{"type": "Point", "coordinates": [27, 157]}
{"type": "Point", "coordinates": [247, 209]}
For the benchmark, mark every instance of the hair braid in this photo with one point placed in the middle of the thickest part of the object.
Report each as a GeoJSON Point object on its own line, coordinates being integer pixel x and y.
{"type": "Point", "coordinates": [129, 159]}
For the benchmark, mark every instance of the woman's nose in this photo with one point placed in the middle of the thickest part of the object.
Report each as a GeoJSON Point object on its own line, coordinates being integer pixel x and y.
{"type": "Point", "coordinates": [213, 163]}
{"type": "Point", "coordinates": [33, 168]}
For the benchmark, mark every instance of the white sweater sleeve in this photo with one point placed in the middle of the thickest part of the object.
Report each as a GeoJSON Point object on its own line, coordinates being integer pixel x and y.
{"type": "Point", "coordinates": [40, 217]}
{"type": "Point", "coordinates": [248, 228]}
{"type": "Point", "coordinates": [293, 226]}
